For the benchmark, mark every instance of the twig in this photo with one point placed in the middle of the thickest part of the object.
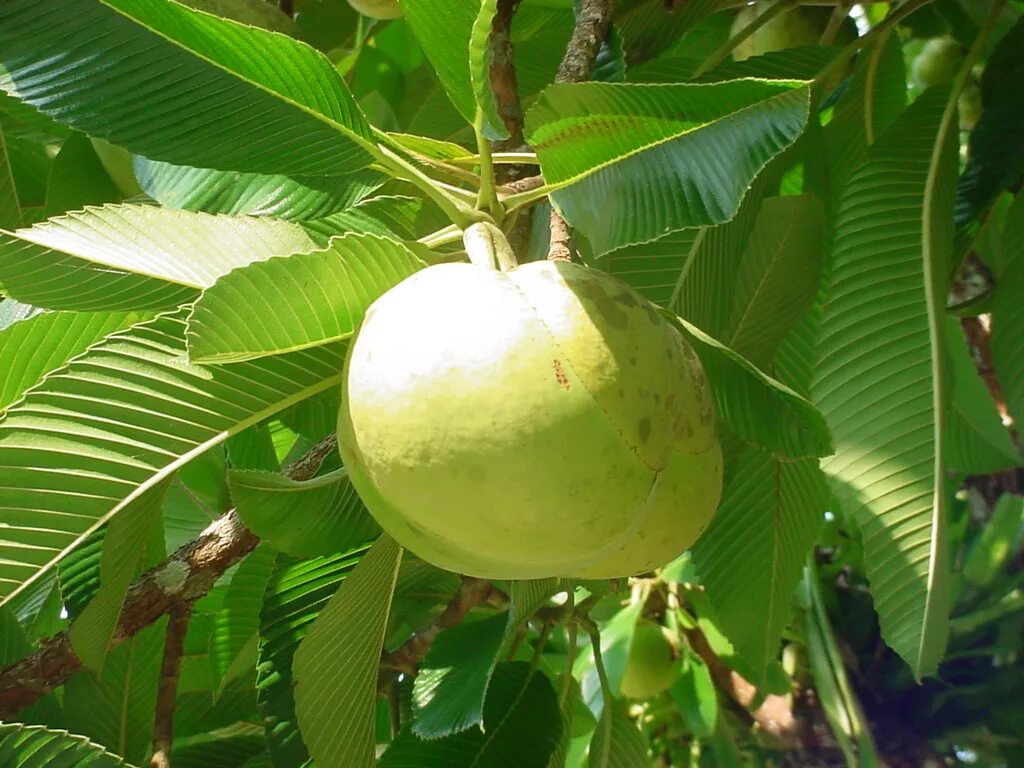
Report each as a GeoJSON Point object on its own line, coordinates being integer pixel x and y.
{"type": "Point", "coordinates": [774, 714]}
{"type": "Point", "coordinates": [167, 691]}
{"type": "Point", "coordinates": [581, 52]}
{"type": "Point", "coordinates": [503, 78]}
{"type": "Point", "coordinates": [181, 579]}
{"type": "Point", "coordinates": [406, 658]}
{"type": "Point", "coordinates": [577, 65]}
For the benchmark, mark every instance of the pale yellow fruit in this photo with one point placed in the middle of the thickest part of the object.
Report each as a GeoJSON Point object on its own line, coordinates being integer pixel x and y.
{"type": "Point", "coordinates": [519, 424]}
{"type": "Point", "coordinates": [651, 667]}
{"type": "Point", "coordinates": [682, 506]}
{"type": "Point", "coordinates": [377, 9]}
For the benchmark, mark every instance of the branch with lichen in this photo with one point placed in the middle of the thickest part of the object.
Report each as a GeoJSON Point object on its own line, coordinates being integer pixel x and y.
{"type": "Point", "coordinates": [180, 580]}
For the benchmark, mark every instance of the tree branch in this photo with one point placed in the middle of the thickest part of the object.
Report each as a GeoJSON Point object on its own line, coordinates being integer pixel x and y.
{"type": "Point", "coordinates": [406, 658]}
{"type": "Point", "coordinates": [181, 579]}
{"type": "Point", "coordinates": [167, 692]}
{"type": "Point", "coordinates": [577, 65]}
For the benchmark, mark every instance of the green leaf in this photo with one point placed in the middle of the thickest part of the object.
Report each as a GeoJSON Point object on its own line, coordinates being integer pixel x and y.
{"type": "Point", "coordinates": [135, 257]}
{"type": "Point", "coordinates": [876, 97]}
{"type": "Point", "coordinates": [394, 216]}
{"type": "Point", "coordinates": [450, 688]}
{"type": "Point", "coordinates": [617, 742]}
{"type": "Point", "coordinates": [616, 639]}
{"type": "Point", "coordinates": [322, 516]}
{"type": "Point", "coordinates": [117, 421]}
{"type": "Point", "coordinates": [665, 157]}
{"type": "Point", "coordinates": [336, 663]}
{"type": "Point", "coordinates": [31, 348]}
{"type": "Point", "coordinates": [231, 192]}
{"type": "Point", "coordinates": [696, 697]}
{"type": "Point", "coordinates": [995, 161]}
{"type": "Point", "coordinates": [778, 276]}
{"type": "Point", "coordinates": [654, 269]}
{"type": "Point", "coordinates": [995, 544]}
{"type": "Point", "coordinates": [10, 208]}
{"type": "Point", "coordinates": [77, 178]}
{"type": "Point", "coordinates": [752, 554]}
{"type": "Point", "coordinates": [705, 278]}
{"type": "Point", "coordinates": [116, 708]}
{"type": "Point", "coordinates": [975, 442]}
{"type": "Point", "coordinates": [1008, 314]}
{"type": "Point", "coordinates": [125, 546]}
{"type": "Point", "coordinates": [521, 728]}
{"type": "Point", "coordinates": [296, 593]}
{"type": "Point", "coordinates": [443, 29]}
{"type": "Point", "coordinates": [236, 626]}
{"type": "Point", "coordinates": [232, 747]}
{"type": "Point", "coordinates": [185, 87]}
{"type": "Point", "coordinates": [879, 378]}
{"type": "Point", "coordinates": [33, 746]}
{"type": "Point", "coordinates": [759, 409]}
{"type": "Point", "coordinates": [296, 302]}
{"type": "Point", "coordinates": [480, 70]}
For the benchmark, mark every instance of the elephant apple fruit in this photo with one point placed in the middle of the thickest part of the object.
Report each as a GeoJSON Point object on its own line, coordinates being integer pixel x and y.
{"type": "Point", "coordinates": [651, 666]}
{"type": "Point", "coordinates": [377, 9]}
{"type": "Point", "coordinates": [528, 421]}
{"type": "Point", "coordinates": [938, 62]}
{"type": "Point", "coordinates": [802, 25]}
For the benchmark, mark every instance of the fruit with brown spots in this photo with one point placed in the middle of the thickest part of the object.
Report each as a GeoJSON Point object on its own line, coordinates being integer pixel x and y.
{"type": "Point", "coordinates": [493, 424]}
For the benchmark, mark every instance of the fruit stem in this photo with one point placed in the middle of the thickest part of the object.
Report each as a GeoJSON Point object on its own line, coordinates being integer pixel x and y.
{"type": "Point", "coordinates": [606, 690]}
{"type": "Point", "coordinates": [487, 198]}
{"type": "Point", "coordinates": [488, 247]}
{"type": "Point", "coordinates": [458, 212]}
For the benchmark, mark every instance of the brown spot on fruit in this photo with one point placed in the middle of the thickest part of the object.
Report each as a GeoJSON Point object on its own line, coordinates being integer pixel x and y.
{"type": "Point", "coordinates": [560, 377]}
{"type": "Point", "coordinates": [645, 429]}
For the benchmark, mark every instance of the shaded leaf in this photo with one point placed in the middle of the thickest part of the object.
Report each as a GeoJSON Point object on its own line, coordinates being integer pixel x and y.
{"type": "Point", "coordinates": [617, 742]}
{"type": "Point", "coordinates": [1008, 314]}
{"type": "Point", "coordinates": [759, 409]}
{"type": "Point", "coordinates": [879, 381]}
{"type": "Point", "coordinates": [322, 516]}
{"type": "Point", "coordinates": [521, 728]}
{"type": "Point", "coordinates": [336, 663]}
{"type": "Point", "coordinates": [750, 558]}
{"type": "Point", "coordinates": [297, 591]}
{"type": "Point", "coordinates": [98, 64]}
{"type": "Point", "coordinates": [33, 746]}
{"type": "Point", "coordinates": [237, 193]}
{"type": "Point", "coordinates": [118, 421]}
{"type": "Point", "coordinates": [78, 178]}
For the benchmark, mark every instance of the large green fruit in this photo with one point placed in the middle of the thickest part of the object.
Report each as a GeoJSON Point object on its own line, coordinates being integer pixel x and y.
{"type": "Point", "coordinates": [802, 25]}
{"type": "Point", "coordinates": [527, 423]}
{"type": "Point", "coordinates": [377, 9]}
{"type": "Point", "coordinates": [938, 62]}
{"type": "Point", "coordinates": [651, 667]}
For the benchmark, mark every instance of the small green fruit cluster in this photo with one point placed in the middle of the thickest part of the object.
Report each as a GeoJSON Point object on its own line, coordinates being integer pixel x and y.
{"type": "Point", "coordinates": [539, 421]}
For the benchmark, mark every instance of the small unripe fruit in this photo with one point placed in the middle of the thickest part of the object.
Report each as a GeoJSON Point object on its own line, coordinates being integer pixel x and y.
{"type": "Point", "coordinates": [651, 667]}
{"type": "Point", "coordinates": [526, 423]}
{"type": "Point", "coordinates": [938, 62]}
{"type": "Point", "coordinates": [377, 9]}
